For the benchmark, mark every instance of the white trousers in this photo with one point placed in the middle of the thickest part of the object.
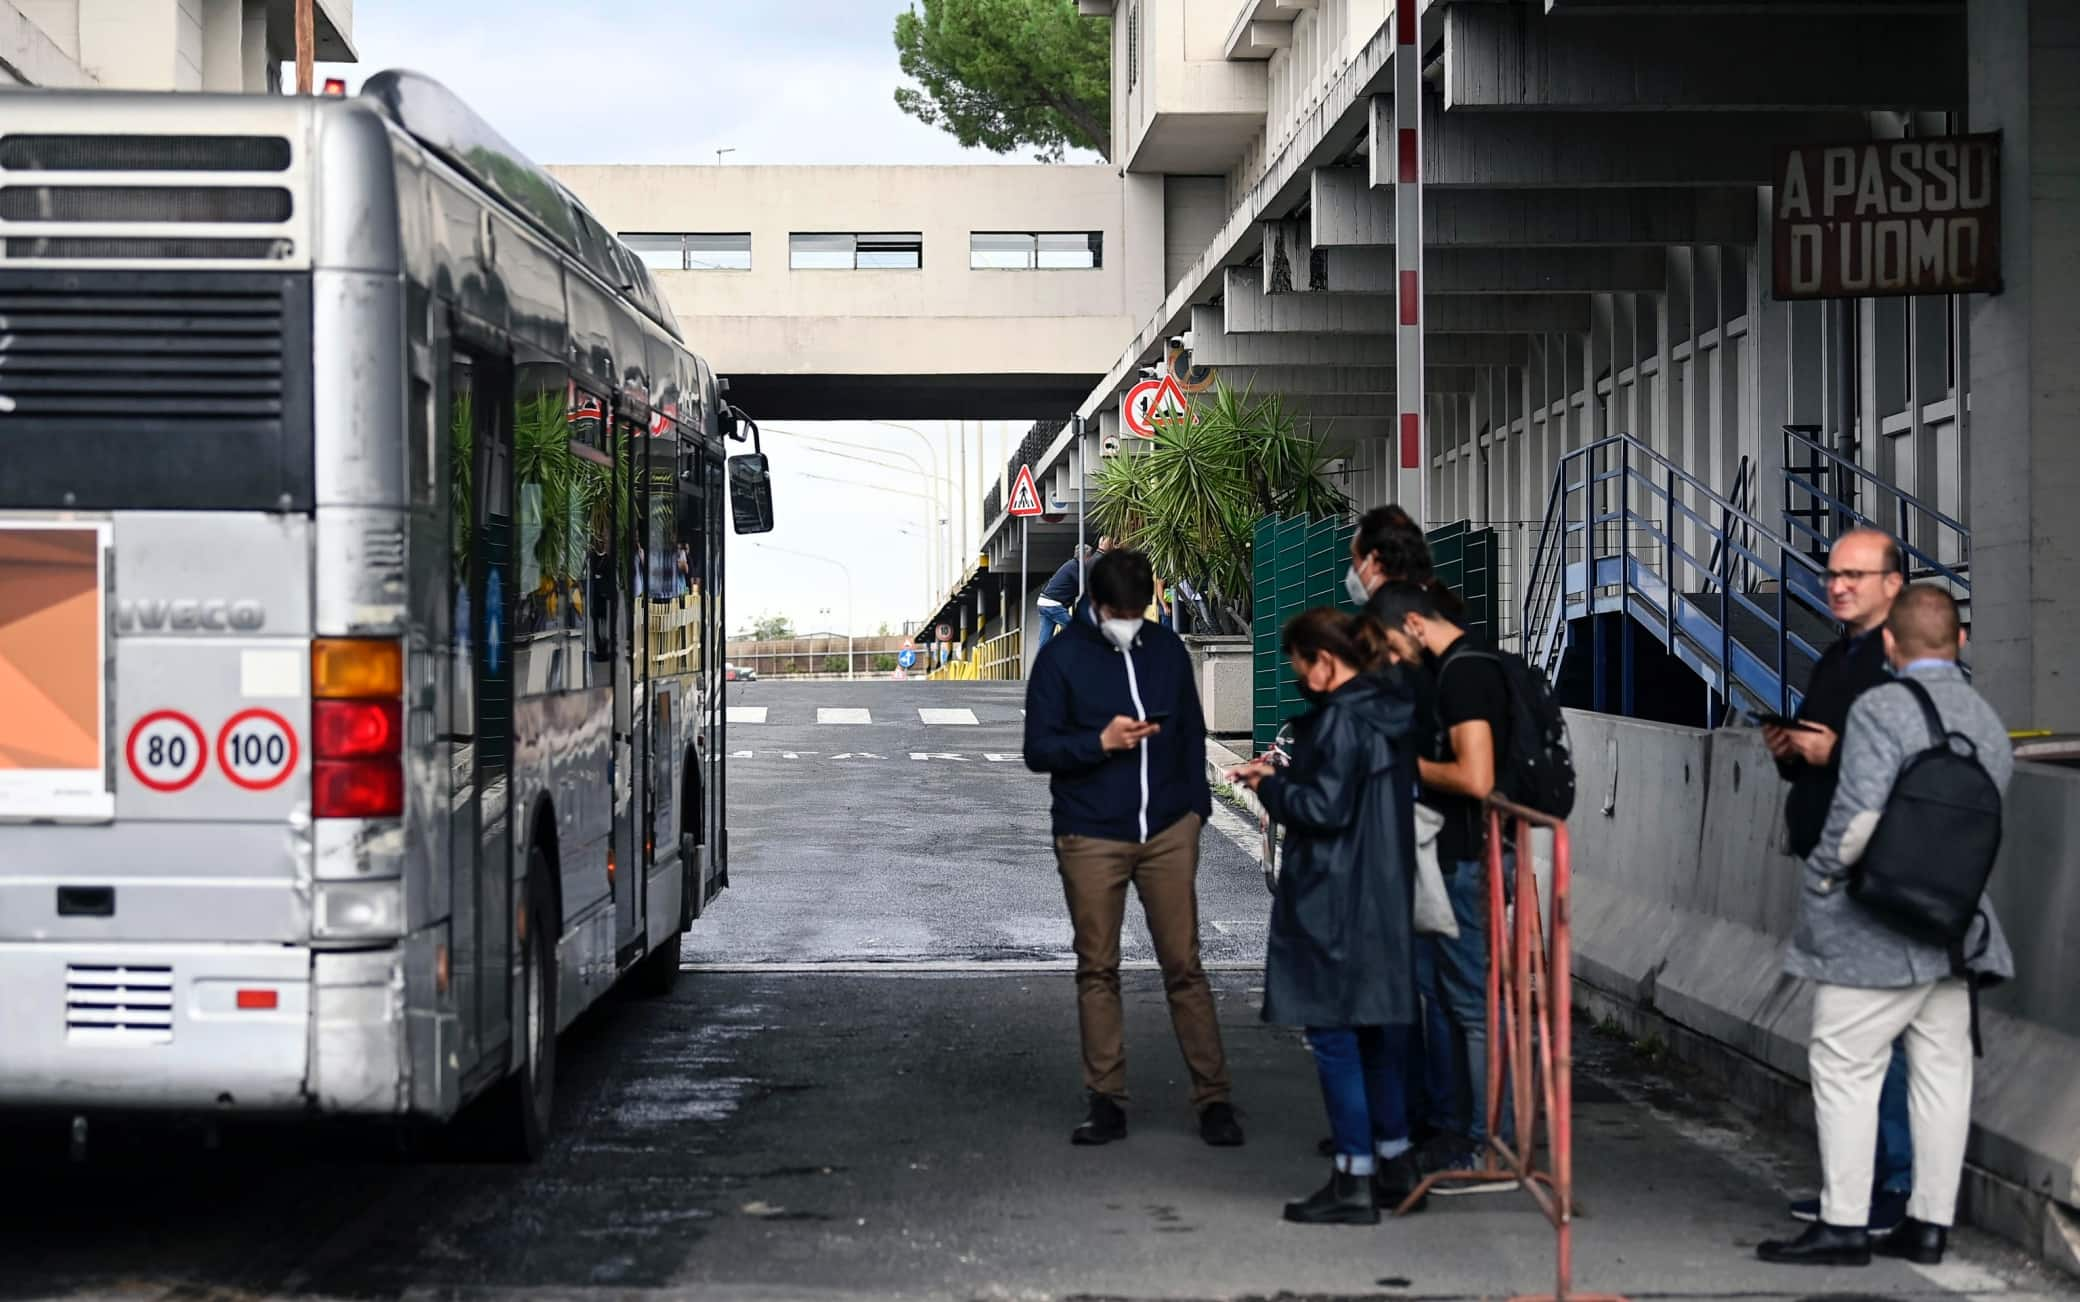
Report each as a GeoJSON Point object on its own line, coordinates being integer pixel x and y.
{"type": "Point", "coordinates": [1853, 1031]}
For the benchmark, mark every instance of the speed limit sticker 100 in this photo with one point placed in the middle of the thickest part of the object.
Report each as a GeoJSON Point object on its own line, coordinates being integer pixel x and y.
{"type": "Point", "coordinates": [166, 751]}
{"type": "Point", "coordinates": [257, 749]}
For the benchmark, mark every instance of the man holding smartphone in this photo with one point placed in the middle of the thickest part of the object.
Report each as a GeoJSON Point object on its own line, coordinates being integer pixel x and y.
{"type": "Point", "coordinates": [1113, 719]}
{"type": "Point", "coordinates": [1864, 576]}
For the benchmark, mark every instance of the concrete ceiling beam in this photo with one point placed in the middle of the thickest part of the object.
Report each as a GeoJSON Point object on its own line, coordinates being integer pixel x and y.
{"type": "Point", "coordinates": [1501, 271]}
{"type": "Point", "coordinates": [1213, 346]}
{"type": "Point", "coordinates": [1332, 381]}
{"type": "Point", "coordinates": [1507, 151]}
{"type": "Point", "coordinates": [1346, 211]}
{"type": "Point", "coordinates": [1515, 57]}
{"type": "Point", "coordinates": [1247, 309]}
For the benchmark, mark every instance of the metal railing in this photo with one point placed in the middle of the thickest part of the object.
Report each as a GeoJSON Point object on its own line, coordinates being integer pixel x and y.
{"type": "Point", "coordinates": [1614, 541]}
{"type": "Point", "coordinates": [1823, 496]}
{"type": "Point", "coordinates": [1531, 1032]}
{"type": "Point", "coordinates": [998, 660]}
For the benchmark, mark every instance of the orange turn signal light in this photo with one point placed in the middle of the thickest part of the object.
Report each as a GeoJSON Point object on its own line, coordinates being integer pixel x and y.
{"type": "Point", "coordinates": [356, 667]}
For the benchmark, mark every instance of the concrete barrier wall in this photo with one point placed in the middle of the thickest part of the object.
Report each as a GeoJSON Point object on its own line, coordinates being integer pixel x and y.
{"type": "Point", "coordinates": [1685, 897]}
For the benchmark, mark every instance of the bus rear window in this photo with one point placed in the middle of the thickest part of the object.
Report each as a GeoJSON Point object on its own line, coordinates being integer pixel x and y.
{"type": "Point", "coordinates": [155, 390]}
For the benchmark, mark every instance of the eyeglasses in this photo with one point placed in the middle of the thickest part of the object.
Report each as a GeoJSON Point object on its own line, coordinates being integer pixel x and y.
{"type": "Point", "coordinates": [1852, 576]}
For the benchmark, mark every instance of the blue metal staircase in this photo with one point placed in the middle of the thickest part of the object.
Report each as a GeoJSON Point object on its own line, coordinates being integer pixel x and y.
{"type": "Point", "coordinates": [1741, 604]}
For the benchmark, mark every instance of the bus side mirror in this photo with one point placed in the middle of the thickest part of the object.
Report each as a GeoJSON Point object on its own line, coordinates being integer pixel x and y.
{"type": "Point", "coordinates": [751, 493]}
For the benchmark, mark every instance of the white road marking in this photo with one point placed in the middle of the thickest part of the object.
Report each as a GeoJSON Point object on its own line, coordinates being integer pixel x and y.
{"type": "Point", "coordinates": [858, 755]}
{"type": "Point", "coordinates": [827, 714]}
{"type": "Point", "coordinates": [932, 755]}
{"type": "Point", "coordinates": [964, 718]}
{"type": "Point", "coordinates": [746, 714]}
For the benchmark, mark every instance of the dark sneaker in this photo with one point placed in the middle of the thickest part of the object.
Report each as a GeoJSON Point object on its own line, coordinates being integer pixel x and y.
{"type": "Point", "coordinates": [1218, 1126]}
{"type": "Point", "coordinates": [1345, 1200]}
{"type": "Point", "coordinates": [1821, 1245]}
{"type": "Point", "coordinates": [1887, 1211]}
{"type": "Point", "coordinates": [1916, 1241]}
{"type": "Point", "coordinates": [1105, 1122]}
{"type": "Point", "coordinates": [1393, 1180]}
{"type": "Point", "coordinates": [1439, 1152]}
{"type": "Point", "coordinates": [1461, 1163]}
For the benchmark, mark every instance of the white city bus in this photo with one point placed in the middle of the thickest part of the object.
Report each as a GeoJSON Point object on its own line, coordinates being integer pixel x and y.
{"type": "Point", "coordinates": [360, 610]}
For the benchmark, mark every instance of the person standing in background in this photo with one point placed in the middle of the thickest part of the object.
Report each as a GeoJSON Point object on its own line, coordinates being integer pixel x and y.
{"type": "Point", "coordinates": [1864, 578]}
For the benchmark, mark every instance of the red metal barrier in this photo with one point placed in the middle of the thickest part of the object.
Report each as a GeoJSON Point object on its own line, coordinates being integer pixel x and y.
{"type": "Point", "coordinates": [1530, 1036]}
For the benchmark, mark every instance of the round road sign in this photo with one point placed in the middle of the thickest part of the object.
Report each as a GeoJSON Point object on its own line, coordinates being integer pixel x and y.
{"type": "Point", "coordinates": [257, 749]}
{"type": "Point", "coordinates": [906, 657]}
{"type": "Point", "coordinates": [166, 751]}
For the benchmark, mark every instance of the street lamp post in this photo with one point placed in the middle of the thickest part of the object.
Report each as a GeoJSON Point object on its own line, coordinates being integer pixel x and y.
{"type": "Point", "coordinates": [934, 482]}
{"type": "Point", "coordinates": [811, 556]}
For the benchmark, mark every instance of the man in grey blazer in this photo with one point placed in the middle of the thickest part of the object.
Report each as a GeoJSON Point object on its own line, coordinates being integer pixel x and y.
{"type": "Point", "coordinates": [1875, 983]}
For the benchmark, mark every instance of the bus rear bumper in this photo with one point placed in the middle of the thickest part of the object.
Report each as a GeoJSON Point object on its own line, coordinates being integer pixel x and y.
{"type": "Point", "coordinates": [202, 1027]}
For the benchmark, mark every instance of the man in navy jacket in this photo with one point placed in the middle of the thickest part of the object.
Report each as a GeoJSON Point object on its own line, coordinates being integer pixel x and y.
{"type": "Point", "coordinates": [1113, 719]}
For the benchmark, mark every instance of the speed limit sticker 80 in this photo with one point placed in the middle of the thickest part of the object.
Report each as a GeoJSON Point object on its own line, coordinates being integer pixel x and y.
{"type": "Point", "coordinates": [166, 751]}
{"type": "Point", "coordinates": [257, 749]}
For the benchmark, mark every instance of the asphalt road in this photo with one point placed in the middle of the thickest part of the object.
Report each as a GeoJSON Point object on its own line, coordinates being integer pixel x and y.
{"type": "Point", "coordinates": [862, 1088]}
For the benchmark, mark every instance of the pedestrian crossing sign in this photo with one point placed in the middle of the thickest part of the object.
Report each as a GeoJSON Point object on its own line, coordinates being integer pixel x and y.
{"type": "Point", "coordinates": [1025, 498]}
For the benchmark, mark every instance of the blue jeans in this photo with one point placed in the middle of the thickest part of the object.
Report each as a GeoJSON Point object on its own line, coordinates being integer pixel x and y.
{"type": "Point", "coordinates": [1360, 1069]}
{"type": "Point", "coordinates": [1893, 1171]}
{"type": "Point", "coordinates": [1430, 1083]}
{"type": "Point", "coordinates": [1457, 989]}
{"type": "Point", "coordinates": [1053, 619]}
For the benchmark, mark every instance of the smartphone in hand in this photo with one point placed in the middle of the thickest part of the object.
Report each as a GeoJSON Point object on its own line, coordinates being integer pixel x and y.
{"type": "Point", "coordinates": [1779, 721]}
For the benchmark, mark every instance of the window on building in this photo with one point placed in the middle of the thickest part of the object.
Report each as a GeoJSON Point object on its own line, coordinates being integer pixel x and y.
{"type": "Point", "coordinates": [1035, 250]}
{"type": "Point", "coordinates": [691, 251]}
{"type": "Point", "coordinates": [896, 251]}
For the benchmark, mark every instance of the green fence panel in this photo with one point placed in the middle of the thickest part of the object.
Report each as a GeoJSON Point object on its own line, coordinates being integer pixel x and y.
{"type": "Point", "coordinates": [1297, 564]}
{"type": "Point", "coordinates": [1465, 558]}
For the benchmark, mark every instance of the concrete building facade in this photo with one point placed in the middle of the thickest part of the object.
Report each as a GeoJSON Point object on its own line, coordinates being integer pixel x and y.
{"type": "Point", "coordinates": [180, 45]}
{"type": "Point", "coordinates": [1596, 260]}
{"type": "Point", "coordinates": [901, 292]}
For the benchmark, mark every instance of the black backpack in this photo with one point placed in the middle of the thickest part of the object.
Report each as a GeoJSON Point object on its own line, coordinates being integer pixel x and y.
{"type": "Point", "coordinates": [1533, 766]}
{"type": "Point", "coordinates": [1925, 868]}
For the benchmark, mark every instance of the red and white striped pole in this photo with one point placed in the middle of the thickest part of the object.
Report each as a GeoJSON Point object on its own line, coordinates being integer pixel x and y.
{"type": "Point", "coordinates": [1413, 481]}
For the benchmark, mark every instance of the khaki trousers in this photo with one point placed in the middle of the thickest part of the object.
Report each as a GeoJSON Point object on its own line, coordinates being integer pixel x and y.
{"type": "Point", "coordinates": [1165, 873]}
{"type": "Point", "coordinates": [1853, 1031]}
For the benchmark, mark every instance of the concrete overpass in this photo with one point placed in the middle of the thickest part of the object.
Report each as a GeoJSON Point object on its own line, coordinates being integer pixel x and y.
{"type": "Point", "coordinates": [825, 293]}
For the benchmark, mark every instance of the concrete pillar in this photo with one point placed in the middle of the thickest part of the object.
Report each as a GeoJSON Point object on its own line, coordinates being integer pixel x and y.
{"type": "Point", "coordinates": [141, 44]}
{"type": "Point", "coordinates": [2025, 393]}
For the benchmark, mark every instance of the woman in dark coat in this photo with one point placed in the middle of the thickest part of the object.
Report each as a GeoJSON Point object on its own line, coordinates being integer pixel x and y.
{"type": "Point", "coordinates": [1340, 960]}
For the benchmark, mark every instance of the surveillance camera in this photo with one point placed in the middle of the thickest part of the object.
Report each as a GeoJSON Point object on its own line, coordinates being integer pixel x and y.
{"type": "Point", "coordinates": [1151, 372]}
{"type": "Point", "coordinates": [1178, 342]}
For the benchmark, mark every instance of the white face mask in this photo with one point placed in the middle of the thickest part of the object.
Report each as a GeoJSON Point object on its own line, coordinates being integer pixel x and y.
{"type": "Point", "coordinates": [1355, 586]}
{"type": "Point", "coordinates": [1122, 632]}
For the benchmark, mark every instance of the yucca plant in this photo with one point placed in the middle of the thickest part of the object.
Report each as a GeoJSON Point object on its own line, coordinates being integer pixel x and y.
{"type": "Point", "coordinates": [1192, 500]}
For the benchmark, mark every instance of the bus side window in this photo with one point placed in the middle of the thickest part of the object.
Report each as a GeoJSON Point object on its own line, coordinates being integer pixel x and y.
{"type": "Point", "coordinates": [550, 549]}
{"type": "Point", "coordinates": [691, 516]}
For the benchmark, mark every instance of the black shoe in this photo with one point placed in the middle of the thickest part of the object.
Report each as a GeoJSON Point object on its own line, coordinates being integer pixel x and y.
{"type": "Point", "coordinates": [1325, 1147]}
{"type": "Point", "coordinates": [1916, 1241]}
{"type": "Point", "coordinates": [1394, 1179]}
{"type": "Point", "coordinates": [1104, 1123]}
{"type": "Point", "coordinates": [1218, 1126]}
{"type": "Point", "coordinates": [1821, 1245]}
{"type": "Point", "coordinates": [1345, 1200]}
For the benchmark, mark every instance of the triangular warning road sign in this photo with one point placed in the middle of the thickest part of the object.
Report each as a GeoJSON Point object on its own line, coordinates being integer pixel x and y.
{"type": "Point", "coordinates": [1025, 499]}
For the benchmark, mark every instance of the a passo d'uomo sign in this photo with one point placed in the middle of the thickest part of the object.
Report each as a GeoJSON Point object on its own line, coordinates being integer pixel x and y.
{"type": "Point", "coordinates": [1884, 217]}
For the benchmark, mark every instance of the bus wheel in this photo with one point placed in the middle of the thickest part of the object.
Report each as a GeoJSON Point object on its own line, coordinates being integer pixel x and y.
{"type": "Point", "coordinates": [657, 971]}
{"type": "Point", "coordinates": [516, 1114]}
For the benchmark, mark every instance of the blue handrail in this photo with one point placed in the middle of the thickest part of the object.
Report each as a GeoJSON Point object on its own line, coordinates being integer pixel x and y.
{"type": "Point", "coordinates": [1628, 509]}
{"type": "Point", "coordinates": [1804, 496]}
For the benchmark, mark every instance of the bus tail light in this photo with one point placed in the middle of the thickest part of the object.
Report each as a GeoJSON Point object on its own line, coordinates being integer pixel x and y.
{"type": "Point", "coordinates": [356, 729]}
{"type": "Point", "coordinates": [259, 1000]}
{"type": "Point", "coordinates": [346, 667]}
{"type": "Point", "coordinates": [357, 788]}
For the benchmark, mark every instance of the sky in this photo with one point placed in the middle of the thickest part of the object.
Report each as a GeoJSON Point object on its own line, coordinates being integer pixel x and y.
{"type": "Point", "coordinates": [774, 81]}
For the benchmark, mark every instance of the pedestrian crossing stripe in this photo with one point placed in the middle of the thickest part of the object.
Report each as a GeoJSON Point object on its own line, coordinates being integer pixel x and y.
{"type": "Point", "coordinates": [835, 714]}
{"type": "Point", "coordinates": [960, 718]}
{"type": "Point", "coordinates": [917, 756]}
{"type": "Point", "coordinates": [746, 714]}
